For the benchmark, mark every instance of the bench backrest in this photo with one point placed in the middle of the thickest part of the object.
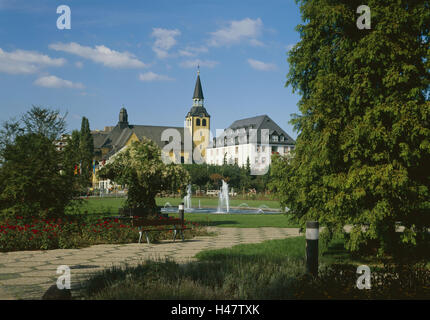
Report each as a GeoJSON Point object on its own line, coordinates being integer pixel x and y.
{"type": "Point", "coordinates": [153, 222]}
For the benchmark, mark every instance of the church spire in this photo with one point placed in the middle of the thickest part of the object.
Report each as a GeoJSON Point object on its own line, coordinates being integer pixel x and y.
{"type": "Point", "coordinates": [198, 92]}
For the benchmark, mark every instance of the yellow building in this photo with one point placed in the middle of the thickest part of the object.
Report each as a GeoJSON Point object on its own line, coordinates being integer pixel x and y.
{"type": "Point", "coordinates": [197, 125]}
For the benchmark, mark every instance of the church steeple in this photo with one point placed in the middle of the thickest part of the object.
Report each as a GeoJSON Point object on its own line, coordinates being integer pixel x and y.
{"type": "Point", "coordinates": [198, 108]}
{"type": "Point", "coordinates": [197, 119]}
{"type": "Point", "coordinates": [198, 92]}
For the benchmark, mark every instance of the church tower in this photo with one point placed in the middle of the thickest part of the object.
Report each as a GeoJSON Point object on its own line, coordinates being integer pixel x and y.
{"type": "Point", "coordinates": [197, 120]}
{"type": "Point", "coordinates": [123, 118]}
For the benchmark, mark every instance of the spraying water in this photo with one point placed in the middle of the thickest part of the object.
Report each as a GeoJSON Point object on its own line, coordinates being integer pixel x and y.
{"type": "Point", "coordinates": [223, 201]}
{"type": "Point", "coordinates": [187, 198]}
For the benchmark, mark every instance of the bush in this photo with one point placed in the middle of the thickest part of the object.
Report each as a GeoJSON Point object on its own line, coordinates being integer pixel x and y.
{"type": "Point", "coordinates": [338, 281]}
{"type": "Point", "coordinates": [73, 232]}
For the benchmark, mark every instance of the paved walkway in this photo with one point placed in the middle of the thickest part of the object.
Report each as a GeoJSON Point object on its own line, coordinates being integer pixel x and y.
{"type": "Point", "coordinates": [28, 274]}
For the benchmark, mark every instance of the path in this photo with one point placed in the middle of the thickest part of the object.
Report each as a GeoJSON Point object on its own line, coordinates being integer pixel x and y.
{"type": "Point", "coordinates": [28, 274]}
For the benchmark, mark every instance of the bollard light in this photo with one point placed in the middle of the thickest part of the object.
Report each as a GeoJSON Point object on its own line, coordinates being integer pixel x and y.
{"type": "Point", "coordinates": [312, 236]}
{"type": "Point", "coordinates": [181, 211]}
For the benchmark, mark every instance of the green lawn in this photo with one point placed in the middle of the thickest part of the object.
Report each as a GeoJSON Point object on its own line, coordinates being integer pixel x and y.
{"type": "Point", "coordinates": [241, 220]}
{"type": "Point", "coordinates": [274, 269]}
{"type": "Point", "coordinates": [111, 205]}
{"type": "Point", "coordinates": [106, 206]}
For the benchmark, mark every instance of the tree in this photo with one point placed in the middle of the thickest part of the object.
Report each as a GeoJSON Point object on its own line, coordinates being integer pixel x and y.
{"type": "Point", "coordinates": [72, 158]}
{"type": "Point", "coordinates": [86, 147]}
{"type": "Point", "coordinates": [362, 154]}
{"type": "Point", "coordinates": [216, 179]}
{"type": "Point", "coordinates": [141, 168]}
{"type": "Point", "coordinates": [32, 179]}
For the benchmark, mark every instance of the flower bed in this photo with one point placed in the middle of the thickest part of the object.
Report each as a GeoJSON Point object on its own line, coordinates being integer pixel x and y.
{"type": "Point", "coordinates": [73, 232]}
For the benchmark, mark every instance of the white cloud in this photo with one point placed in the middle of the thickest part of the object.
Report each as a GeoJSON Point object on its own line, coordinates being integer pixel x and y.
{"type": "Point", "coordinates": [101, 54]}
{"type": "Point", "coordinates": [55, 82]}
{"type": "Point", "coordinates": [151, 76]}
{"type": "Point", "coordinates": [164, 41]}
{"type": "Point", "coordinates": [192, 51]}
{"type": "Point", "coordinates": [262, 66]}
{"type": "Point", "coordinates": [237, 31]}
{"type": "Point", "coordinates": [24, 62]}
{"type": "Point", "coordinates": [198, 62]}
{"type": "Point", "coordinates": [256, 43]}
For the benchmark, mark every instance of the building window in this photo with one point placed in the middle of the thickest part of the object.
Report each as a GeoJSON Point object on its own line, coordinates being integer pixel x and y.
{"type": "Point", "coordinates": [274, 150]}
{"type": "Point", "coordinates": [275, 138]}
{"type": "Point", "coordinates": [282, 138]}
{"type": "Point", "coordinates": [237, 149]}
{"type": "Point", "coordinates": [204, 122]}
{"type": "Point", "coordinates": [197, 122]}
{"type": "Point", "coordinates": [236, 161]}
{"type": "Point", "coordinates": [263, 160]}
{"type": "Point", "coordinates": [256, 160]}
{"type": "Point", "coordinates": [264, 148]}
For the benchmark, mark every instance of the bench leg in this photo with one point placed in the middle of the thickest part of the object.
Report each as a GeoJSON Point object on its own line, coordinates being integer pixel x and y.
{"type": "Point", "coordinates": [174, 233]}
{"type": "Point", "coordinates": [147, 238]}
{"type": "Point", "coordinates": [182, 235]}
{"type": "Point", "coordinates": [140, 234]}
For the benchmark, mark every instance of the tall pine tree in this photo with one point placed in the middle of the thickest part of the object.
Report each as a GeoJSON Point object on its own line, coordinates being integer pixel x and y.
{"type": "Point", "coordinates": [363, 153]}
{"type": "Point", "coordinates": [86, 147]}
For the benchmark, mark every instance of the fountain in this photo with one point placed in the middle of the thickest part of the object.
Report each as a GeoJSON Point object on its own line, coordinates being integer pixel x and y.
{"type": "Point", "coordinates": [223, 201]}
{"type": "Point", "coordinates": [243, 204]}
{"type": "Point", "coordinates": [223, 205]}
{"type": "Point", "coordinates": [187, 198]}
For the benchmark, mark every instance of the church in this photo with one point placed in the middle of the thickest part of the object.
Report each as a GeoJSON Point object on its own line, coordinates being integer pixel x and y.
{"type": "Point", "coordinates": [196, 130]}
{"type": "Point", "coordinates": [112, 139]}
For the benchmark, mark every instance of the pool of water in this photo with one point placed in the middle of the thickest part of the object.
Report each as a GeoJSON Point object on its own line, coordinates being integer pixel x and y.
{"type": "Point", "coordinates": [231, 211]}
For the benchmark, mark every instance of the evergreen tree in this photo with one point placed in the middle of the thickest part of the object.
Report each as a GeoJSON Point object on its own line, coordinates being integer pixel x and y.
{"type": "Point", "coordinates": [86, 147]}
{"type": "Point", "coordinates": [362, 154]}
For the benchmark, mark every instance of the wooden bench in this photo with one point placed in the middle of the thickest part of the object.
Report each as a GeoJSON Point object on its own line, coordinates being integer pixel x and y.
{"type": "Point", "coordinates": [173, 224]}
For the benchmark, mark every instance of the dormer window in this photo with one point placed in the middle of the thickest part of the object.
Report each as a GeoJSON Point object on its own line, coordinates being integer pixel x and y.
{"type": "Point", "coordinates": [282, 138]}
{"type": "Point", "coordinates": [275, 138]}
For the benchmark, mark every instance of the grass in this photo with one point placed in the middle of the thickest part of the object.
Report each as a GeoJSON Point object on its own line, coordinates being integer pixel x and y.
{"type": "Point", "coordinates": [272, 250]}
{"type": "Point", "coordinates": [110, 206]}
{"type": "Point", "coordinates": [107, 205]}
{"type": "Point", "coordinates": [274, 269]}
{"type": "Point", "coordinates": [241, 220]}
{"type": "Point", "coordinates": [243, 272]}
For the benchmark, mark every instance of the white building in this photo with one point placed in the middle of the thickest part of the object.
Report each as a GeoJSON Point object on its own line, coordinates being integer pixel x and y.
{"type": "Point", "coordinates": [255, 138]}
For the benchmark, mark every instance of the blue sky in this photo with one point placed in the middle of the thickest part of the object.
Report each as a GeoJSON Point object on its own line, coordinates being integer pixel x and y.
{"type": "Point", "coordinates": [143, 55]}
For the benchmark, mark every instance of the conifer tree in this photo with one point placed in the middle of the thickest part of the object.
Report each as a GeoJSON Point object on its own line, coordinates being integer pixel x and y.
{"type": "Point", "coordinates": [362, 154]}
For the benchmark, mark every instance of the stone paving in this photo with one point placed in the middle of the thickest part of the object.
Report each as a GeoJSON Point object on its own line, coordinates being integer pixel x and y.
{"type": "Point", "coordinates": [28, 274]}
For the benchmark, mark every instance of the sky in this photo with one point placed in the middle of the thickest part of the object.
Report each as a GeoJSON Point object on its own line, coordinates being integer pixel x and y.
{"type": "Point", "coordinates": [143, 55]}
